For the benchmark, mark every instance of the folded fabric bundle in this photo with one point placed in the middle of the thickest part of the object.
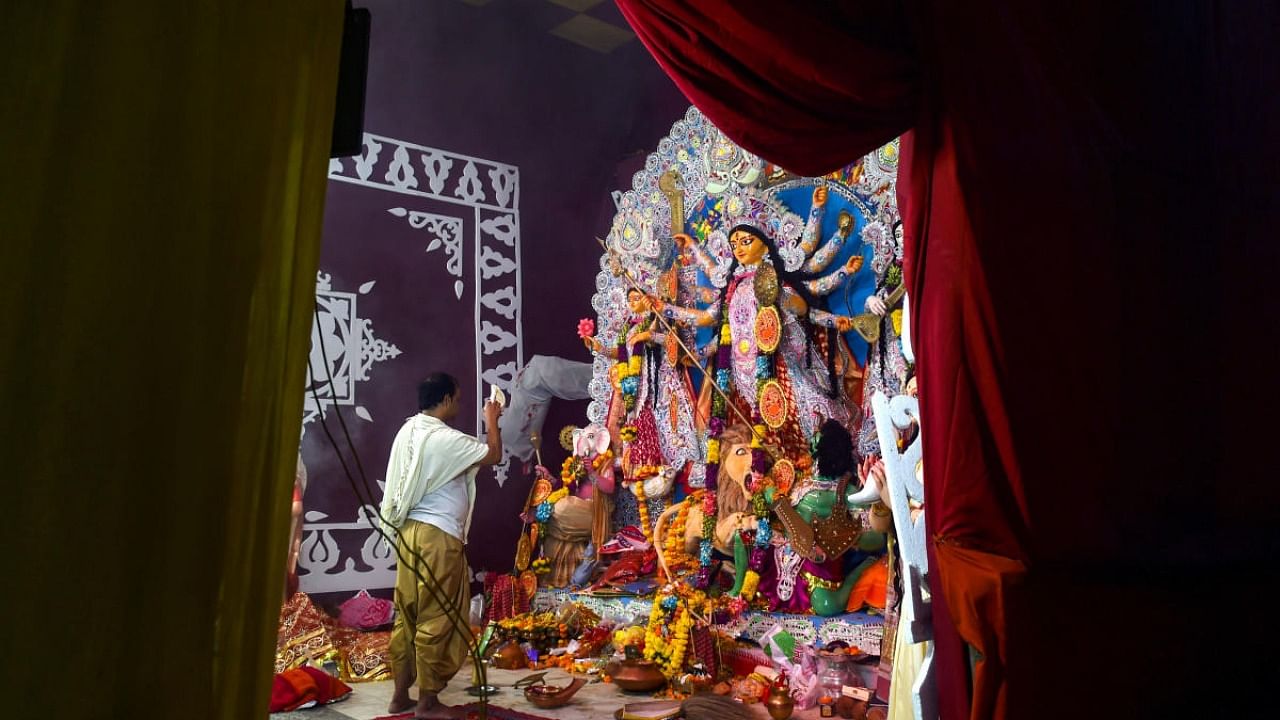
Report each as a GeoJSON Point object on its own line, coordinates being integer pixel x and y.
{"type": "Point", "coordinates": [871, 589]}
{"type": "Point", "coordinates": [628, 538]}
{"type": "Point", "coordinates": [304, 687]}
{"type": "Point", "coordinates": [303, 637]}
{"type": "Point", "coordinates": [308, 636]}
{"type": "Point", "coordinates": [365, 612]}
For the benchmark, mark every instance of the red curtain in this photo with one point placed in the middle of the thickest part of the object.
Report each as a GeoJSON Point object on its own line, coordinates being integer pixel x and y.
{"type": "Point", "coordinates": [763, 73]}
{"type": "Point", "coordinates": [1077, 181]}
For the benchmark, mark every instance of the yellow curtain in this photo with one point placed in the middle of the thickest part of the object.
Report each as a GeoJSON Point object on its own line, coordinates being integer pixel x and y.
{"type": "Point", "coordinates": [160, 208]}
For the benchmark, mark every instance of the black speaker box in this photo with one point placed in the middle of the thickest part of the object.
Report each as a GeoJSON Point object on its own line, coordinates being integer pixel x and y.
{"type": "Point", "coordinates": [353, 72]}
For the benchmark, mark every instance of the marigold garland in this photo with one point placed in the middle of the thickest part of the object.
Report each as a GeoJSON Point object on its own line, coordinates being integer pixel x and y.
{"type": "Point", "coordinates": [667, 650]}
{"type": "Point", "coordinates": [602, 461]}
{"type": "Point", "coordinates": [629, 637]}
{"type": "Point", "coordinates": [630, 364]}
{"type": "Point", "coordinates": [674, 546]}
{"type": "Point", "coordinates": [666, 640]}
{"type": "Point", "coordinates": [641, 472]}
{"type": "Point", "coordinates": [572, 470]}
{"type": "Point", "coordinates": [638, 488]}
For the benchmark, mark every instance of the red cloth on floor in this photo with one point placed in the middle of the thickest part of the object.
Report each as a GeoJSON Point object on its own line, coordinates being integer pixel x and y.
{"type": "Point", "coordinates": [294, 688]}
{"type": "Point", "coordinates": [1078, 182]}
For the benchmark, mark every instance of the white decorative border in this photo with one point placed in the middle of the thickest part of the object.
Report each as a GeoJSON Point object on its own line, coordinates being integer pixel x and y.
{"type": "Point", "coordinates": [320, 562]}
{"type": "Point", "coordinates": [446, 233]}
{"type": "Point", "coordinates": [491, 190]}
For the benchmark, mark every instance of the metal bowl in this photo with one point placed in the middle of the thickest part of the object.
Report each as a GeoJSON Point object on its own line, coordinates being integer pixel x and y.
{"type": "Point", "coordinates": [485, 690]}
{"type": "Point", "coordinates": [552, 696]}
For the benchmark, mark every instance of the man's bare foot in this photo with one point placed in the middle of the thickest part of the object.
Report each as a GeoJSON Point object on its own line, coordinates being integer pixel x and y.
{"type": "Point", "coordinates": [400, 702]}
{"type": "Point", "coordinates": [430, 708]}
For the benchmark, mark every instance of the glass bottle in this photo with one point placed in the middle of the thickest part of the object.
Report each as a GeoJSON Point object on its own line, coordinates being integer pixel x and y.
{"type": "Point", "coordinates": [832, 682]}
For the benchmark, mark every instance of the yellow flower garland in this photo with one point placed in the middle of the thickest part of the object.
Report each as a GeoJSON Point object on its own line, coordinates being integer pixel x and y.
{"type": "Point", "coordinates": [669, 655]}
{"type": "Point", "coordinates": [573, 469]}
{"type": "Point", "coordinates": [669, 652]}
{"type": "Point", "coordinates": [628, 637]}
{"type": "Point", "coordinates": [603, 461]}
{"type": "Point", "coordinates": [644, 511]}
{"type": "Point", "coordinates": [674, 547]}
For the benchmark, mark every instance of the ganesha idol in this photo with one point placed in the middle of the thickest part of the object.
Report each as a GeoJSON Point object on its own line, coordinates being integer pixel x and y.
{"type": "Point", "coordinates": [581, 523]}
{"type": "Point", "coordinates": [588, 473]}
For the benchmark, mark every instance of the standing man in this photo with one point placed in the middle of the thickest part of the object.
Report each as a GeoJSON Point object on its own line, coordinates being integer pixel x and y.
{"type": "Point", "coordinates": [430, 494]}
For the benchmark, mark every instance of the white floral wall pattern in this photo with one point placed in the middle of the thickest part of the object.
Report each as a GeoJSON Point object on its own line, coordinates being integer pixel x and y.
{"type": "Point", "coordinates": [445, 233]}
{"type": "Point", "coordinates": [343, 351]}
{"type": "Point", "coordinates": [490, 191]}
{"type": "Point", "coordinates": [441, 235]}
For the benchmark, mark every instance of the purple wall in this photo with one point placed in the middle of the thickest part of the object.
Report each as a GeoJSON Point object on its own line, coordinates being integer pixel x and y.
{"type": "Point", "coordinates": [490, 82]}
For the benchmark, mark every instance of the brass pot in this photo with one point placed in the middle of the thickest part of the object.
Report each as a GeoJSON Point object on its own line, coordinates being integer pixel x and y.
{"type": "Point", "coordinates": [637, 675]}
{"type": "Point", "coordinates": [780, 704]}
{"type": "Point", "coordinates": [510, 657]}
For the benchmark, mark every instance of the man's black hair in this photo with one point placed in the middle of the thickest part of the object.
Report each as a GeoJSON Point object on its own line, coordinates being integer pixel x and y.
{"type": "Point", "coordinates": [435, 389]}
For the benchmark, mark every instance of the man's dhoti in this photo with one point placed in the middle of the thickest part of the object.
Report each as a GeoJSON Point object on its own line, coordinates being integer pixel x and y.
{"type": "Point", "coordinates": [424, 637]}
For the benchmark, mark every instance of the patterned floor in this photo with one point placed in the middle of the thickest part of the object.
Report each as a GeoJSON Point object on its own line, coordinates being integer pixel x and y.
{"type": "Point", "coordinates": [594, 702]}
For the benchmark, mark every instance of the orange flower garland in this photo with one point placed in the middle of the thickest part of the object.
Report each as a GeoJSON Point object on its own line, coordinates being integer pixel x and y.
{"type": "Point", "coordinates": [671, 618]}
{"type": "Point", "coordinates": [674, 547]}
{"type": "Point", "coordinates": [602, 461]}
{"type": "Point", "coordinates": [638, 488]}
